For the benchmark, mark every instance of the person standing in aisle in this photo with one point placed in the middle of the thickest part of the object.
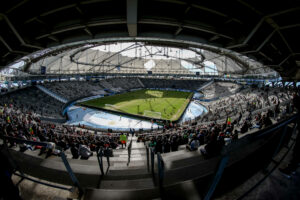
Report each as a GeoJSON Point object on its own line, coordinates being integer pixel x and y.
{"type": "Point", "coordinates": [123, 139]}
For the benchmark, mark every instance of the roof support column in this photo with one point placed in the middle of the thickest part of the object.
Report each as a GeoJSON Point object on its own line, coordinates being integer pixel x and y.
{"type": "Point", "coordinates": [132, 17]}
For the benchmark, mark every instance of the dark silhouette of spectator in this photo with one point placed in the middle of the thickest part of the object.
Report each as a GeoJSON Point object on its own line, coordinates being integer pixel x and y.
{"type": "Point", "coordinates": [174, 143]}
{"type": "Point", "coordinates": [74, 151]}
{"type": "Point", "coordinates": [158, 146]}
{"type": "Point", "coordinates": [167, 145]}
{"type": "Point", "coordinates": [245, 127]}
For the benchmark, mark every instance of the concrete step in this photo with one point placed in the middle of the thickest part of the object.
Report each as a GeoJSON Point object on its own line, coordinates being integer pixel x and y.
{"type": "Point", "coordinates": [145, 183]}
{"type": "Point", "coordinates": [185, 190]}
{"type": "Point", "coordinates": [121, 194]}
{"type": "Point", "coordinates": [128, 174]}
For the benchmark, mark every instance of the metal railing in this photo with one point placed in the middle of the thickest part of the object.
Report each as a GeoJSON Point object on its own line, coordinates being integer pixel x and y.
{"type": "Point", "coordinates": [217, 177]}
{"type": "Point", "coordinates": [129, 152]}
{"type": "Point", "coordinates": [148, 159]}
{"type": "Point", "coordinates": [152, 161]}
{"type": "Point", "coordinates": [43, 145]}
{"type": "Point", "coordinates": [107, 152]}
{"type": "Point", "coordinates": [160, 165]}
{"type": "Point", "coordinates": [100, 160]}
{"type": "Point", "coordinates": [161, 170]}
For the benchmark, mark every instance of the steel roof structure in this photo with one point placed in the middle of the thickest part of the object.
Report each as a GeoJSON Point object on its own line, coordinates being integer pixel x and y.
{"type": "Point", "coordinates": [265, 31]}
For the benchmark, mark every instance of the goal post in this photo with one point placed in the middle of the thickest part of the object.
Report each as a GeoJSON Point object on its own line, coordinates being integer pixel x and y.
{"type": "Point", "coordinates": [151, 114]}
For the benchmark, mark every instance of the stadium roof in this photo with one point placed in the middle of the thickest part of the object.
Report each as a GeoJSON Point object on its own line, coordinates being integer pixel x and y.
{"type": "Point", "coordinates": [140, 57]}
{"type": "Point", "coordinates": [266, 31]}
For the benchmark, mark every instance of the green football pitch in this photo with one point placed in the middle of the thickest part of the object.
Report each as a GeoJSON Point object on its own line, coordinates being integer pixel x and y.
{"type": "Point", "coordinates": [158, 104]}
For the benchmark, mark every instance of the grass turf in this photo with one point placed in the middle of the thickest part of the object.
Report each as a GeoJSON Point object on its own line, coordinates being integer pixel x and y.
{"type": "Point", "coordinates": [170, 104]}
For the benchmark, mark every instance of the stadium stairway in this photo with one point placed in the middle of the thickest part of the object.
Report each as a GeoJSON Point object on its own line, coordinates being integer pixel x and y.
{"type": "Point", "coordinates": [187, 174]}
{"type": "Point", "coordinates": [52, 94]}
{"type": "Point", "coordinates": [205, 85]}
{"type": "Point", "coordinates": [141, 83]}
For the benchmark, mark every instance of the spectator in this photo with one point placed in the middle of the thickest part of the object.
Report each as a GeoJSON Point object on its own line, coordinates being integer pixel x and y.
{"type": "Point", "coordinates": [84, 152]}
{"type": "Point", "coordinates": [75, 151]}
{"type": "Point", "coordinates": [123, 139]}
{"type": "Point", "coordinates": [193, 144]}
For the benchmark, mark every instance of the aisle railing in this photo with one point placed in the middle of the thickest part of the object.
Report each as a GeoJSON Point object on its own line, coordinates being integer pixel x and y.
{"type": "Point", "coordinates": [160, 165]}
{"type": "Point", "coordinates": [129, 151]}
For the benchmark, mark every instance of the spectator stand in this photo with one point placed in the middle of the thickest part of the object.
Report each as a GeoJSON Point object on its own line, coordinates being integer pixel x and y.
{"type": "Point", "coordinates": [46, 145]}
{"type": "Point", "coordinates": [283, 142]}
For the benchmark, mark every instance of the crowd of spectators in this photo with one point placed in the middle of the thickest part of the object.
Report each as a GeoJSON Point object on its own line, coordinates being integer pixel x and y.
{"type": "Point", "coordinates": [75, 89]}
{"type": "Point", "coordinates": [227, 120]}
{"type": "Point", "coordinates": [31, 99]}
{"type": "Point", "coordinates": [172, 83]}
{"type": "Point", "coordinates": [220, 89]}
{"type": "Point", "coordinates": [27, 126]}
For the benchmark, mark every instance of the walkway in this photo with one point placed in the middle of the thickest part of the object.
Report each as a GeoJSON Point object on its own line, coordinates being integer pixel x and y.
{"type": "Point", "coordinates": [52, 94]}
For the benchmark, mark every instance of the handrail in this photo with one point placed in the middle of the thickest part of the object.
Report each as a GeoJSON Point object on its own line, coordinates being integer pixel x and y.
{"type": "Point", "coordinates": [71, 174]}
{"type": "Point", "coordinates": [18, 140]}
{"type": "Point", "coordinates": [148, 159]}
{"type": "Point", "coordinates": [100, 160]}
{"type": "Point", "coordinates": [161, 169]}
{"type": "Point", "coordinates": [40, 182]}
{"type": "Point", "coordinates": [152, 161]}
{"type": "Point", "coordinates": [217, 177]}
{"type": "Point", "coordinates": [129, 152]}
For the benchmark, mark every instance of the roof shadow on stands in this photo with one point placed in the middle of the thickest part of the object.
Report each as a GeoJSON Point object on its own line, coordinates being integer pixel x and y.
{"type": "Point", "coordinates": [191, 175]}
{"type": "Point", "coordinates": [255, 150]}
{"type": "Point", "coordinates": [238, 170]}
{"type": "Point", "coordinates": [224, 89]}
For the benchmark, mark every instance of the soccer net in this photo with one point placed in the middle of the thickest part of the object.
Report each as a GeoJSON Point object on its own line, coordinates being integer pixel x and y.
{"type": "Point", "coordinates": [151, 114]}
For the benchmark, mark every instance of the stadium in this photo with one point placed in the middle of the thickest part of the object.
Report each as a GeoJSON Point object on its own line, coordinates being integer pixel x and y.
{"type": "Point", "coordinates": [156, 99]}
